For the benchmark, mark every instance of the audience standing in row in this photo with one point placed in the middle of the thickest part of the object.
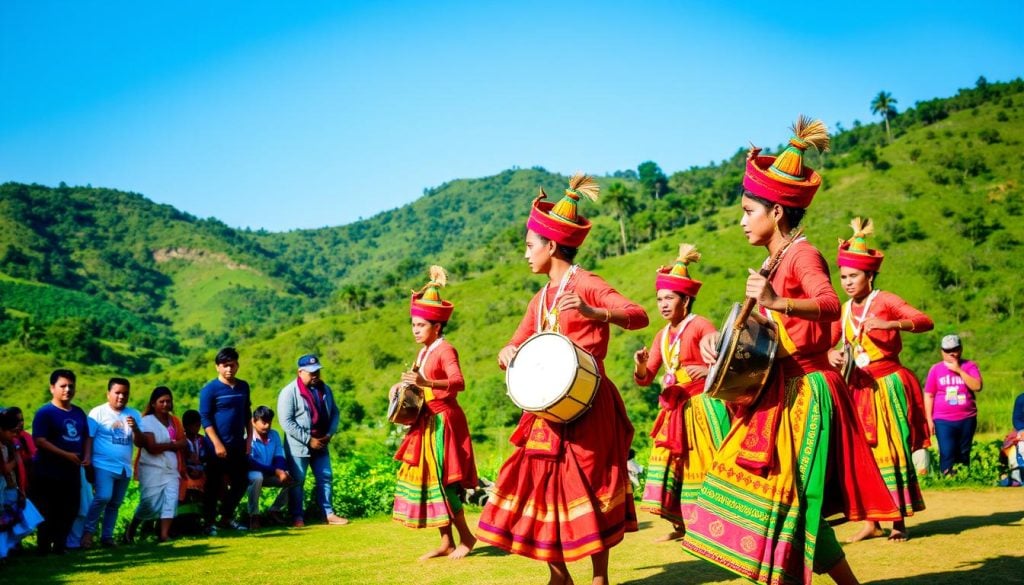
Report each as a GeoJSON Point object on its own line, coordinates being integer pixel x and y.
{"type": "Point", "coordinates": [18, 517]}
{"type": "Point", "coordinates": [160, 465]}
{"type": "Point", "coordinates": [309, 416]}
{"type": "Point", "coordinates": [949, 404]}
{"type": "Point", "coordinates": [61, 433]}
{"type": "Point", "coordinates": [226, 410]}
{"type": "Point", "coordinates": [266, 463]}
{"type": "Point", "coordinates": [117, 430]}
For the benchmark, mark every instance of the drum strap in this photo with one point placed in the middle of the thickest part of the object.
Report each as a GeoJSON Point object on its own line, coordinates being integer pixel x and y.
{"type": "Point", "coordinates": [853, 328]}
{"type": "Point", "coordinates": [670, 346]}
{"type": "Point", "coordinates": [857, 323]}
{"type": "Point", "coordinates": [547, 319]}
{"type": "Point", "coordinates": [421, 359]}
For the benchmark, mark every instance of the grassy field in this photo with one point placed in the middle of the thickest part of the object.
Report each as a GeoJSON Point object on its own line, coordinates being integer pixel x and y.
{"type": "Point", "coordinates": [965, 536]}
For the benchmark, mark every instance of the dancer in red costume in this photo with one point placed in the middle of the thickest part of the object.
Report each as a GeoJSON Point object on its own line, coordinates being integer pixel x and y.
{"type": "Point", "coordinates": [886, 395]}
{"type": "Point", "coordinates": [436, 453]}
{"type": "Point", "coordinates": [564, 493]}
{"type": "Point", "coordinates": [788, 463]}
{"type": "Point", "coordinates": [690, 425]}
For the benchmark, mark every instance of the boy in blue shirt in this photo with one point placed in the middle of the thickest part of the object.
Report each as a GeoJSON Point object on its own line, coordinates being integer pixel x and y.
{"type": "Point", "coordinates": [266, 462]}
{"type": "Point", "coordinates": [61, 432]}
{"type": "Point", "coordinates": [226, 412]}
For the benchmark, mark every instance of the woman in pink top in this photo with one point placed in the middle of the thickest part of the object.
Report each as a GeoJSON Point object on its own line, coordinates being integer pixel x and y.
{"type": "Point", "coordinates": [949, 404]}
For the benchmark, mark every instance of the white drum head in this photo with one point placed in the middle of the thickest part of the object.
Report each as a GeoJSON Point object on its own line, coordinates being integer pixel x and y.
{"type": "Point", "coordinates": [542, 370]}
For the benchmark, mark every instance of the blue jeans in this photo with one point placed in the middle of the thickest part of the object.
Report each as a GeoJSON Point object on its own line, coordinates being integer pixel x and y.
{"type": "Point", "coordinates": [109, 493]}
{"type": "Point", "coordinates": [321, 464]}
{"type": "Point", "coordinates": [955, 439]}
{"type": "Point", "coordinates": [257, 481]}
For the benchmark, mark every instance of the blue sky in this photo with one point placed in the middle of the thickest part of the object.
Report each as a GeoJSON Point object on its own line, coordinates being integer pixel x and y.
{"type": "Point", "coordinates": [283, 115]}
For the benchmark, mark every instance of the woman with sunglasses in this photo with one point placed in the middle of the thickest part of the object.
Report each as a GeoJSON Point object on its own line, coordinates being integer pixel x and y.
{"type": "Point", "coordinates": [949, 404]}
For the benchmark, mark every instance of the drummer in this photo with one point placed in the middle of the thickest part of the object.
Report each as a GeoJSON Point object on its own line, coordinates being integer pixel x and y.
{"type": "Point", "coordinates": [886, 395]}
{"type": "Point", "coordinates": [564, 492]}
{"type": "Point", "coordinates": [436, 453]}
{"type": "Point", "coordinates": [791, 456]}
{"type": "Point", "coordinates": [690, 425]}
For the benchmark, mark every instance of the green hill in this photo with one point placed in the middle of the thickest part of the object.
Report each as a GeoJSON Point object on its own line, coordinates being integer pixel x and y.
{"type": "Point", "coordinates": [946, 196]}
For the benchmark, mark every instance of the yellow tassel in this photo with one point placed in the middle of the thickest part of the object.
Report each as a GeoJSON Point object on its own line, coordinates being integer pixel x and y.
{"type": "Point", "coordinates": [862, 228]}
{"type": "Point", "coordinates": [688, 253]}
{"type": "Point", "coordinates": [438, 275]}
{"type": "Point", "coordinates": [585, 184]}
{"type": "Point", "coordinates": [430, 293]}
{"type": "Point", "coordinates": [814, 133]}
{"type": "Point", "coordinates": [806, 133]}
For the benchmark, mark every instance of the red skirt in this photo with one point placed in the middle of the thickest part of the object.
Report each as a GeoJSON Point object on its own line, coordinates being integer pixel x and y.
{"type": "Point", "coordinates": [564, 493]}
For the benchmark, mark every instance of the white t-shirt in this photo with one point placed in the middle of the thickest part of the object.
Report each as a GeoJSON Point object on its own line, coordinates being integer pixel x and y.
{"type": "Point", "coordinates": [168, 460]}
{"type": "Point", "coordinates": [112, 440]}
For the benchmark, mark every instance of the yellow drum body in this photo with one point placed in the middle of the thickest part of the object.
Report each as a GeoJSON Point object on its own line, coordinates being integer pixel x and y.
{"type": "Point", "coordinates": [552, 377]}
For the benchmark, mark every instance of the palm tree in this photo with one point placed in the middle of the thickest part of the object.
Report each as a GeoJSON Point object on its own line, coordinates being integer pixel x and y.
{"type": "Point", "coordinates": [621, 197]}
{"type": "Point", "coordinates": [884, 105]}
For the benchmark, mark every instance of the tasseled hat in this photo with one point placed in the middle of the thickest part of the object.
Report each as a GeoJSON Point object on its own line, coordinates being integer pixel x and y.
{"type": "Point", "coordinates": [854, 253]}
{"type": "Point", "coordinates": [560, 221]}
{"type": "Point", "coordinates": [784, 179]}
{"type": "Point", "coordinates": [675, 277]}
{"type": "Point", "coordinates": [426, 303]}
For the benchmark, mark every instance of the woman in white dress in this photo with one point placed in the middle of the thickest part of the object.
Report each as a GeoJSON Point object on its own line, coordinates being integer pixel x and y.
{"type": "Point", "coordinates": [159, 464]}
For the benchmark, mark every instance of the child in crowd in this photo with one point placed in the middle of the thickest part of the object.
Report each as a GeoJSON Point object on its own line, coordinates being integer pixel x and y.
{"type": "Point", "coordinates": [199, 449]}
{"type": "Point", "coordinates": [18, 517]}
{"type": "Point", "coordinates": [267, 466]}
{"type": "Point", "coordinates": [190, 495]}
{"type": "Point", "coordinates": [25, 447]}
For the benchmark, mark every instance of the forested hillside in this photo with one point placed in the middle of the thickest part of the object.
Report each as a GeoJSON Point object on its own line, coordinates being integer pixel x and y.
{"type": "Point", "coordinates": [108, 282]}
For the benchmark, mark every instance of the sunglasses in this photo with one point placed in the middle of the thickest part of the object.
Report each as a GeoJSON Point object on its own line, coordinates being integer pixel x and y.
{"type": "Point", "coordinates": [954, 350]}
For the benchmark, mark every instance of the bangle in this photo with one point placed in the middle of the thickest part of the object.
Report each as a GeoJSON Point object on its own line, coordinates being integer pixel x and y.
{"type": "Point", "coordinates": [789, 306]}
{"type": "Point", "coordinates": [607, 315]}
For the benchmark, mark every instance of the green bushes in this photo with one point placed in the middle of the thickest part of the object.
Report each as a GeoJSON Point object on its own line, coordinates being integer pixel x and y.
{"type": "Point", "coordinates": [984, 470]}
{"type": "Point", "coordinates": [363, 486]}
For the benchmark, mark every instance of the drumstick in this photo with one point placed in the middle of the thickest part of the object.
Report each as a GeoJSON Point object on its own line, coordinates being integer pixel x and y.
{"type": "Point", "coordinates": [767, 271]}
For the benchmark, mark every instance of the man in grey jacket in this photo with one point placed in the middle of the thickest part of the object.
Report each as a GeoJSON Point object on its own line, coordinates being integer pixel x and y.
{"type": "Point", "coordinates": [309, 417]}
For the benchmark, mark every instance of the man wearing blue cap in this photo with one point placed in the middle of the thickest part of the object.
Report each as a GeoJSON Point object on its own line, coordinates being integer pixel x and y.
{"type": "Point", "coordinates": [309, 417]}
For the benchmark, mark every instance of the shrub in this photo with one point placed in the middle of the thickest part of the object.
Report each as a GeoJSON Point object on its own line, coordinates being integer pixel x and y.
{"type": "Point", "coordinates": [363, 487]}
{"type": "Point", "coordinates": [974, 225]}
{"type": "Point", "coordinates": [939, 275]}
{"type": "Point", "coordinates": [983, 471]}
{"type": "Point", "coordinates": [989, 135]}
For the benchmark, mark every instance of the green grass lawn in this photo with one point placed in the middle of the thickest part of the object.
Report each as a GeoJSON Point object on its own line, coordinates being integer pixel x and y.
{"type": "Point", "coordinates": [965, 536]}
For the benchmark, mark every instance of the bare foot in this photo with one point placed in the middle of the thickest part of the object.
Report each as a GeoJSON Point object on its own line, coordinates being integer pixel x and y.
{"type": "Point", "coordinates": [869, 531]}
{"type": "Point", "coordinates": [674, 535]}
{"type": "Point", "coordinates": [899, 535]}
{"type": "Point", "coordinates": [463, 549]}
{"type": "Point", "coordinates": [442, 551]}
